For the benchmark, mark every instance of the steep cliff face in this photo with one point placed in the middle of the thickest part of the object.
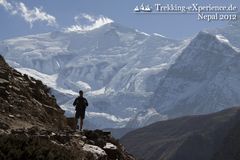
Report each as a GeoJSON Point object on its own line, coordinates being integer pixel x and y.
{"type": "Point", "coordinates": [33, 126]}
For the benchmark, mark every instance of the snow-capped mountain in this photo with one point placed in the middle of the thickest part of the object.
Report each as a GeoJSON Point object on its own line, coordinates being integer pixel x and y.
{"type": "Point", "coordinates": [231, 32]}
{"type": "Point", "coordinates": [119, 68]}
{"type": "Point", "coordinates": [132, 78]}
{"type": "Point", "coordinates": [204, 78]}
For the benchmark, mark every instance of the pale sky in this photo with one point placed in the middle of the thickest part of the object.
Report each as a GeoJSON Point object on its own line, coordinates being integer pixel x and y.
{"type": "Point", "coordinates": [24, 17]}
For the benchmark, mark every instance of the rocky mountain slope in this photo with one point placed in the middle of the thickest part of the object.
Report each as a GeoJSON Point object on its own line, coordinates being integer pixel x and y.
{"type": "Point", "coordinates": [205, 78]}
{"type": "Point", "coordinates": [33, 126]}
{"type": "Point", "coordinates": [208, 137]}
{"type": "Point", "coordinates": [26, 101]}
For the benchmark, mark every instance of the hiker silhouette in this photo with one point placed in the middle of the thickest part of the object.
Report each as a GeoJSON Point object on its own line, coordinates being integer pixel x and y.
{"type": "Point", "coordinates": [80, 104]}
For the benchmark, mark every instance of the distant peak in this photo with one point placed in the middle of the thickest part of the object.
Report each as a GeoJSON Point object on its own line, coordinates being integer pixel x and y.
{"type": "Point", "coordinates": [95, 23]}
{"type": "Point", "coordinates": [214, 43]}
{"type": "Point", "coordinates": [206, 36]}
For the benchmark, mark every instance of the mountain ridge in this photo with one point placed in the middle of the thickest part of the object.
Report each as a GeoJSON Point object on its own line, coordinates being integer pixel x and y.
{"type": "Point", "coordinates": [190, 137]}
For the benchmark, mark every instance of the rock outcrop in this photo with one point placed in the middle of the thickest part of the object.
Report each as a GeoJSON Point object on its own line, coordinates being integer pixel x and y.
{"type": "Point", "coordinates": [33, 126]}
{"type": "Point", "coordinates": [35, 143]}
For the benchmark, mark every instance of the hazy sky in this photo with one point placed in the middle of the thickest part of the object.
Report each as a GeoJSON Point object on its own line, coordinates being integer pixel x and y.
{"type": "Point", "coordinates": [23, 17]}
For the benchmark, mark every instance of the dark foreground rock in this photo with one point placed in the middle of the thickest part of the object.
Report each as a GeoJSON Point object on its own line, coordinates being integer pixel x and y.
{"type": "Point", "coordinates": [33, 126]}
{"type": "Point", "coordinates": [35, 143]}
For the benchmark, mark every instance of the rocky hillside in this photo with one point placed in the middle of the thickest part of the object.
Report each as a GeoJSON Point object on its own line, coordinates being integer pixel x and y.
{"type": "Point", "coordinates": [33, 126]}
{"type": "Point", "coordinates": [26, 102]}
{"type": "Point", "coordinates": [33, 143]}
{"type": "Point", "coordinates": [203, 137]}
